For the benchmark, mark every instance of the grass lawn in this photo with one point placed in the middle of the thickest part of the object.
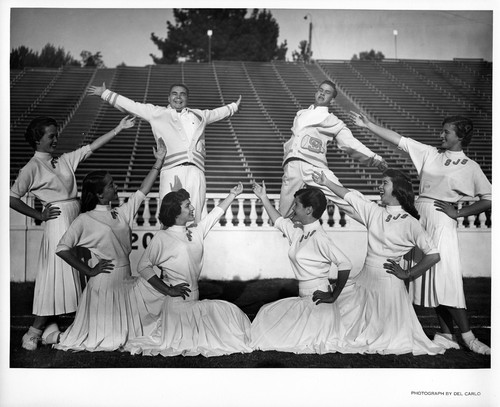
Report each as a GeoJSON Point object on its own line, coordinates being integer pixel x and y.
{"type": "Point", "coordinates": [250, 296]}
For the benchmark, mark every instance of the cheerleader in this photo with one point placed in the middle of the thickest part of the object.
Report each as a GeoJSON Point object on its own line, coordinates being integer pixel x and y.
{"type": "Point", "coordinates": [188, 326]}
{"type": "Point", "coordinates": [376, 313]}
{"type": "Point", "coordinates": [447, 175]}
{"type": "Point", "coordinates": [114, 305]}
{"type": "Point", "coordinates": [302, 324]}
{"type": "Point", "coordinates": [52, 180]}
{"type": "Point", "coordinates": [313, 130]}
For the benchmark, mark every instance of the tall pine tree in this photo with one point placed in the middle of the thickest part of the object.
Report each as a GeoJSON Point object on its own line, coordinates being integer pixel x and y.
{"type": "Point", "coordinates": [235, 37]}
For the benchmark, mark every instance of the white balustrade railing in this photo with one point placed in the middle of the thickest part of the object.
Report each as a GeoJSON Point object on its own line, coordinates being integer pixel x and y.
{"type": "Point", "coordinates": [247, 212]}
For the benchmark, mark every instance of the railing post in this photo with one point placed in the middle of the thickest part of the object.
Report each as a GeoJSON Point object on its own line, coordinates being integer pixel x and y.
{"type": "Point", "coordinates": [229, 217]}
{"type": "Point", "coordinates": [336, 217]}
{"type": "Point", "coordinates": [482, 220]}
{"type": "Point", "coordinates": [241, 213]}
{"type": "Point", "coordinates": [462, 221]}
{"type": "Point", "coordinates": [253, 212]}
{"type": "Point", "coordinates": [325, 217]}
{"type": "Point", "coordinates": [265, 218]}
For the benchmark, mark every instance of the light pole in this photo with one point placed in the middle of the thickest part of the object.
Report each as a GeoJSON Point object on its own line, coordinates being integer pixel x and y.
{"type": "Point", "coordinates": [395, 32]}
{"type": "Point", "coordinates": [209, 33]}
{"type": "Point", "coordinates": [309, 45]}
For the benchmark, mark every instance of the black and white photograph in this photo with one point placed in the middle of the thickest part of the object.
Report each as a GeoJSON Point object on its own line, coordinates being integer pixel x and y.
{"type": "Point", "coordinates": [248, 203]}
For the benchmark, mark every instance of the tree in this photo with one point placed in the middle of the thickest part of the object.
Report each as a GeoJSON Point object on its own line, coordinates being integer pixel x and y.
{"type": "Point", "coordinates": [49, 57]}
{"type": "Point", "coordinates": [368, 56]}
{"type": "Point", "coordinates": [301, 55]}
{"type": "Point", "coordinates": [23, 56]}
{"type": "Point", "coordinates": [92, 60]}
{"type": "Point", "coordinates": [234, 36]}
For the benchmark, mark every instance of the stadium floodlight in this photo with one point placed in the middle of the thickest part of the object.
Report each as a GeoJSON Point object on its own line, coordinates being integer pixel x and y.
{"type": "Point", "coordinates": [309, 46]}
{"type": "Point", "coordinates": [395, 32]}
{"type": "Point", "coordinates": [209, 33]}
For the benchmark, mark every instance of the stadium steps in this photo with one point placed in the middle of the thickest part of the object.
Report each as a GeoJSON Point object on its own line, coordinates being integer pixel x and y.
{"type": "Point", "coordinates": [397, 94]}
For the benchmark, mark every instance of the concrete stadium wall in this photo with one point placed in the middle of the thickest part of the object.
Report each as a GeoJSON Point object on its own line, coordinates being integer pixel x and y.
{"type": "Point", "coordinates": [249, 253]}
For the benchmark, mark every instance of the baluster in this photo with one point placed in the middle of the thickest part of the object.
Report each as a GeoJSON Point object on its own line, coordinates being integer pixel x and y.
{"type": "Point", "coordinates": [229, 217]}
{"type": "Point", "coordinates": [146, 215]}
{"type": "Point", "coordinates": [461, 221]}
{"type": "Point", "coordinates": [336, 217]}
{"type": "Point", "coordinates": [325, 218]}
{"type": "Point", "coordinates": [216, 203]}
{"type": "Point", "coordinates": [277, 204]}
{"type": "Point", "coordinates": [253, 212]}
{"type": "Point", "coordinates": [241, 213]}
{"type": "Point", "coordinates": [482, 220]}
{"type": "Point", "coordinates": [265, 218]}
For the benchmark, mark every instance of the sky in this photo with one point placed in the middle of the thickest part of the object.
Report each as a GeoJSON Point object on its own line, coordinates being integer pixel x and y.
{"type": "Point", "coordinates": [124, 35]}
{"type": "Point", "coordinates": [430, 29]}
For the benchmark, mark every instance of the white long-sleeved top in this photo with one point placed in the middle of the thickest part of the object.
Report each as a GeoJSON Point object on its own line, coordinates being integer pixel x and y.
{"type": "Point", "coordinates": [314, 129]}
{"type": "Point", "coordinates": [105, 234]}
{"type": "Point", "coordinates": [178, 251]}
{"type": "Point", "coordinates": [311, 251]}
{"type": "Point", "coordinates": [392, 232]}
{"type": "Point", "coordinates": [166, 124]}
{"type": "Point", "coordinates": [47, 183]}
{"type": "Point", "coordinates": [447, 176]}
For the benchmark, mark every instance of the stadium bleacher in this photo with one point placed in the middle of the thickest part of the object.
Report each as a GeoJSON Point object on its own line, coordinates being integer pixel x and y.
{"type": "Point", "coordinates": [408, 96]}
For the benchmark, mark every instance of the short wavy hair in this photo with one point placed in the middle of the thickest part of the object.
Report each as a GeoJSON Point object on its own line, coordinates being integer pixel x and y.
{"type": "Point", "coordinates": [93, 184]}
{"type": "Point", "coordinates": [170, 207]}
{"type": "Point", "coordinates": [36, 129]}
{"type": "Point", "coordinates": [463, 127]}
{"type": "Point", "coordinates": [332, 85]}
{"type": "Point", "coordinates": [313, 197]}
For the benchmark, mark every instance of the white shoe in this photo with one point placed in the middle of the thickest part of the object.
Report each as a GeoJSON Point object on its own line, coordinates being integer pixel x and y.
{"type": "Point", "coordinates": [50, 329]}
{"type": "Point", "coordinates": [30, 341]}
{"type": "Point", "coordinates": [444, 342]}
{"type": "Point", "coordinates": [478, 347]}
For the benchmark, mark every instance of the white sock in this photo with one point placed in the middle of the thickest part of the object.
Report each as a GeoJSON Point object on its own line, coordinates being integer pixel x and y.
{"type": "Point", "coordinates": [53, 337]}
{"type": "Point", "coordinates": [447, 336]}
{"type": "Point", "coordinates": [35, 332]}
{"type": "Point", "coordinates": [468, 336]}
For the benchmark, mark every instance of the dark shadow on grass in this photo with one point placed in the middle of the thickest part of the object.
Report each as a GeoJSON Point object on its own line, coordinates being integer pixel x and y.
{"type": "Point", "coordinates": [250, 296]}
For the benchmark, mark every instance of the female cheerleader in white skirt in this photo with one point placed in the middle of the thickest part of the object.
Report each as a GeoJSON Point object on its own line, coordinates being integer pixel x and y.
{"type": "Point", "coordinates": [188, 326]}
{"type": "Point", "coordinates": [52, 181]}
{"type": "Point", "coordinates": [447, 175]}
{"type": "Point", "coordinates": [376, 312]}
{"type": "Point", "coordinates": [300, 324]}
{"type": "Point", "coordinates": [114, 306]}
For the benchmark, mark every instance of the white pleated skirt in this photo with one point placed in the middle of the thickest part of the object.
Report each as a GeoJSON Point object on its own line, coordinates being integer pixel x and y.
{"type": "Point", "coordinates": [57, 284]}
{"type": "Point", "coordinates": [377, 316]}
{"type": "Point", "coordinates": [297, 324]}
{"type": "Point", "coordinates": [114, 308]}
{"type": "Point", "coordinates": [442, 284]}
{"type": "Point", "coordinates": [192, 327]}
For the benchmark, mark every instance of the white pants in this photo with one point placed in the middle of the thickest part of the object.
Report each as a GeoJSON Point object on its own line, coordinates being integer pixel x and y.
{"type": "Point", "coordinates": [297, 175]}
{"type": "Point", "coordinates": [192, 179]}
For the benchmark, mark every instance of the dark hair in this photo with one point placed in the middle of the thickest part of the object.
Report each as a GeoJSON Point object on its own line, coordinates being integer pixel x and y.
{"type": "Point", "coordinates": [330, 83]}
{"type": "Point", "coordinates": [93, 184]}
{"type": "Point", "coordinates": [463, 127]}
{"type": "Point", "coordinates": [178, 84]}
{"type": "Point", "coordinates": [170, 207]}
{"type": "Point", "coordinates": [402, 190]}
{"type": "Point", "coordinates": [36, 129]}
{"type": "Point", "coordinates": [314, 198]}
